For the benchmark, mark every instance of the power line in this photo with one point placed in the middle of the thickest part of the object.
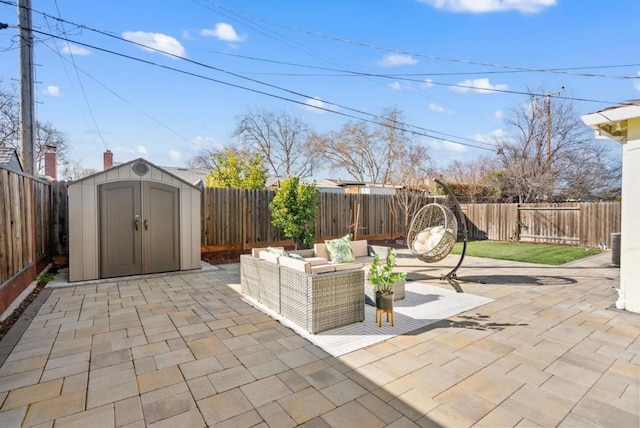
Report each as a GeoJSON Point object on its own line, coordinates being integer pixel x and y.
{"type": "Point", "coordinates": [260, 82]}
{"type": "Point", "coordinates": [105, 33]}
{"type": "Point", "coordinates": [377, 122]}
{"type": "Point", "coordinates": [398, 77]}
{"type": "Point", "coordinates": [167, 127]}
{"type": "Point", "coordinates": [403, 52]}
{"type": "Point", "coordinates": [401, 75]}
{"type": "Point", "coordinates": [84, 93]}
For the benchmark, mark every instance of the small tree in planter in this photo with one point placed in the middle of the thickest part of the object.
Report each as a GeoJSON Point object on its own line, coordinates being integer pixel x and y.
{"type": "Point", "coordinates": [294, 209]}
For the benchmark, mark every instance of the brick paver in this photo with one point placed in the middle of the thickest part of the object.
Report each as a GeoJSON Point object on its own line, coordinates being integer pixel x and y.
{"type": "Point", "coordinates": [185, 350]}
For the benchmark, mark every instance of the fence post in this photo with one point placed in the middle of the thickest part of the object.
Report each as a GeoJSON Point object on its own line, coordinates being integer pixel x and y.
{"type": "Point", "coordinates": [518, 223]}
{"type": "Point", "coordinates": [245, 219]}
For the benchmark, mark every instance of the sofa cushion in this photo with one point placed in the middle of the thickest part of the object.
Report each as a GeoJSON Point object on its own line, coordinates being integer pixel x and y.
{"type": "Point", "coordinates": [320, 250]}
{"type": "Point", "coordinates": [255, 252]}
{"type": "Point", "coordinates": [300, 265]}
{"type": "Point", "coordinates": [270, 257]}
{"type": "Point", "coordinates": [323, 268]}
{"type": "Point", "coordinates": [364, 260]}
{"type": "Point", "coordinates": [359, 248]}
{"type": "Point", "coordinates": [317, 260]}
{"type": "Point", "coordinates": [340, 250]}
{"type": "Point", "coordinates": [347, 266]}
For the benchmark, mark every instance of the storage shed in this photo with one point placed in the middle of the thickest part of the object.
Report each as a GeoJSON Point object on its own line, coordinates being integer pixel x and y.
{"type": "Point", "coordinates": [134, 218]}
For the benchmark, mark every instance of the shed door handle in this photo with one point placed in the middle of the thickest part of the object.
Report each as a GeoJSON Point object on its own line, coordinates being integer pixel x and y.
{"type": "Point", "coordinates": [146, 224]}
{"type": "Point", "coordinates": [136, 223]}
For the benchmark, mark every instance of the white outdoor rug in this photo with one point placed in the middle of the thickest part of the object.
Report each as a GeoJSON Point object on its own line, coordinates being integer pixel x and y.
{"type": "Point", "coordinates": [423, 305]}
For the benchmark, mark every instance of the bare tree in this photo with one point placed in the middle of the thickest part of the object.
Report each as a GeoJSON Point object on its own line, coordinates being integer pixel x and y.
{"type": "Point", "coordinates": [545, 145]}
{"type": "Point", "coordinates": [9, 119]}
{"type": "Point", "coordinates": [281, 138]}
{"type": "Point", "coordinates": [74, 170]}
{"type": "Point", "coordinates": [470, 179]}
{"type": "Point", "coordinates": [45, 133]}
{"type": "Point", "coordinates": [205, 159]}
{"type": "Point", "coordinates": [378, 153]}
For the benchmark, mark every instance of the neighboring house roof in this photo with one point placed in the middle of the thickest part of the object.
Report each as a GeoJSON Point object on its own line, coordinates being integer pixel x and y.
{"type": "Point", "coordinates": [612, 122]}
{"type": "Point", "coordinates": [328, 182]}
{"type": "Point", "coordinates": [10, 160]}
{"type": "Point", "coordinates": [196, 177]}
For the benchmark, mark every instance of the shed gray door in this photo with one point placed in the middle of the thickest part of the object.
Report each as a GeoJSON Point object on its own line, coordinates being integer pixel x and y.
{"type": "Point", "coordinates": [160, 224]}
{"type": "Point", "coordinates": [139, 228]}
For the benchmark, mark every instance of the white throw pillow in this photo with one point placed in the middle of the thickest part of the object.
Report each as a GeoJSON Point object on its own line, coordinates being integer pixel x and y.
{"type": "Point", "coordinates": [419, 247]}
{"type": "Point", "coordinates": [437, 233]}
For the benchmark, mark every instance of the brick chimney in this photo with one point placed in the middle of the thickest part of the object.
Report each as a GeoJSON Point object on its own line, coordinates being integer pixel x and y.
{"type": "Point", "coordinates": [108, 159]}
{"type": "Point", "coordinates": [51, 162]}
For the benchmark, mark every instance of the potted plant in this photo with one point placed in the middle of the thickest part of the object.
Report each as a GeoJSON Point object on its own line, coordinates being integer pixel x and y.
{"type": "Point", "coordinates": [381, 275]}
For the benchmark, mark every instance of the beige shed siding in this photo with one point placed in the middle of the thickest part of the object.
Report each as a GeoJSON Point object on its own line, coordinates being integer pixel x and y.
{"type": "Point", "coordinates": [189, 230]}
{"type": "Point", "coordinates": [83, 219]}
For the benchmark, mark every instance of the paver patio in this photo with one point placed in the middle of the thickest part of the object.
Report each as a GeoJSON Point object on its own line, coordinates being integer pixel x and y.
{"type": "Point", "coordinates": [185, 350]}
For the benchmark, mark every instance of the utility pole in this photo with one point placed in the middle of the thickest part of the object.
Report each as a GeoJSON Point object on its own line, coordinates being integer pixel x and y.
{"type": "Point", "coordinates": [547, 106]}
{"type": "Point", "coordinates": [27, 114]}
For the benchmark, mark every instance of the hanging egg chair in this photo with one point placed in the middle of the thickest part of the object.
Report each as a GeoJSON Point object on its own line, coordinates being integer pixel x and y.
{"type": "Point", "coordinates": [432, 233]}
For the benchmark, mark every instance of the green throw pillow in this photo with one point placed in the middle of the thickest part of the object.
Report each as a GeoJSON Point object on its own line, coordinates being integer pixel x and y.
{"type": "Point", "coordinates": [340, 250]}
{"type": "Point", "coordinates": [296, 256]}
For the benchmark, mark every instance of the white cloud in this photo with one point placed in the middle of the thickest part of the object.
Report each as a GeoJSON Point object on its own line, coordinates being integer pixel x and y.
{"type": "Point", "coordinates": [315, 105]}
{"type": "Point", "coordinates": [199, 143]}
{"type": "Point", "coordinates": [491, 137]}
{"type": "Point", "coordinates": [428, 83]}
{"type": "Point", "coordinates": [400, 86]}
{"type": "Point", "coordinates": [485, 6]}
{"type": "Point", "coordinates": [52, 91]}
{"type": "Point", "coordinates": [225, 32]}
{"type": "Point", "coordinates": [439, 109]}
{"type": "Point", "coordinates": [174, 155]}
{"type": "Point", "coordinates": [71, 49]}
{"type": "Point", "coordinates": [453, 147]}
{"type": "Point", "coordinates": [479, 86]}
{"type": "Point", "coordinates": [499, 114]}
{"type": "Point", "coordinates": [138, 150]}
{"type": "Point", "coordinates": [636, 83]}
{"type": "Point", "coordinates": [158, 41]}
{"type": "Point", "coordinates": [395, 60]}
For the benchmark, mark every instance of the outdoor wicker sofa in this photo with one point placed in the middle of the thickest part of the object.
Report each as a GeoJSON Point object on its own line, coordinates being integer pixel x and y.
{"type": "Point", "coordinates": [312, 292]}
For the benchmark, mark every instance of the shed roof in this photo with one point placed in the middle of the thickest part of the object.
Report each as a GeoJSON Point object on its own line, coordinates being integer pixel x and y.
{"type": "Point", "coordinates": [131, 163]}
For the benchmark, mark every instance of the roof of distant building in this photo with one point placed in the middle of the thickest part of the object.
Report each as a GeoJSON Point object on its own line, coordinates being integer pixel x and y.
{"type": "Point", "coordinates": [195, 176]}
{"type": "Point", "coordinates": [10, 160]}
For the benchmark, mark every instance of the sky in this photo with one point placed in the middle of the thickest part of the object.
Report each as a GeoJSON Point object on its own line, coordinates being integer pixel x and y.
{"type": "Point", "coordinates": [455, 68]}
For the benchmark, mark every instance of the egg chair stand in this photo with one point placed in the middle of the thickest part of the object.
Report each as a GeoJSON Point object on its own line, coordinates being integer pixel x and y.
{"type": "Point", "coordinates": [433, 232]}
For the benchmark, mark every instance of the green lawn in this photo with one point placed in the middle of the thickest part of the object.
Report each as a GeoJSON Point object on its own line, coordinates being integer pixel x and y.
{"type": "Point", "coordinates": [522, 252]}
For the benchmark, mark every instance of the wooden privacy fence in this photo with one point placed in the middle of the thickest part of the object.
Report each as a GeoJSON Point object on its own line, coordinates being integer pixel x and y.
{"type": "Point", "coordinates": [25, 209]}
{"type": "Point", "coordinates": [240, 219]}
{"type": "Point", "coordinates": [586, 223]}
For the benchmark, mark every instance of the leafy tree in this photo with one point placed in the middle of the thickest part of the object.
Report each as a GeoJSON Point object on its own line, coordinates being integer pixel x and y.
{"type": "Point", "coordinates": [281, 139]}
{"type": "Point", "coordinates": [233, 168]}
{"type": "Point", "coordinates": [294, 208]}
